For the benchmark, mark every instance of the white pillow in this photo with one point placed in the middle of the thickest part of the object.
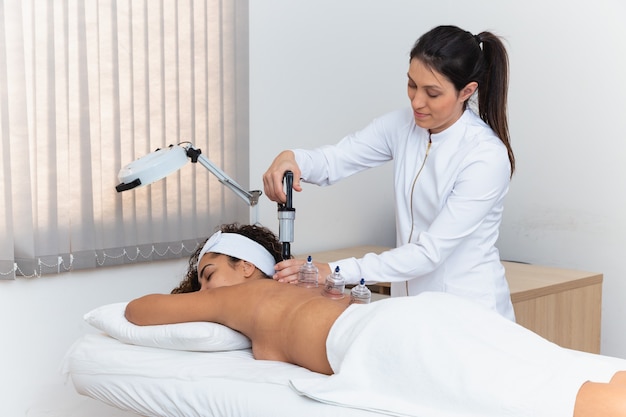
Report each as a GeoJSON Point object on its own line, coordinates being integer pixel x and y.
{"type": "Point", "coordinates": [194, 336]}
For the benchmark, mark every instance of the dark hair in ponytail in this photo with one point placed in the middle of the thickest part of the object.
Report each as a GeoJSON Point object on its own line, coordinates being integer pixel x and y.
{"type": "Point", "coordinates": [463, 58]}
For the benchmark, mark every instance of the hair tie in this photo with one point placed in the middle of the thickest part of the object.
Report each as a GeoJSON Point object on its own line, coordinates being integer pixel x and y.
{"type": "Point", "coordinates": [477, 39]}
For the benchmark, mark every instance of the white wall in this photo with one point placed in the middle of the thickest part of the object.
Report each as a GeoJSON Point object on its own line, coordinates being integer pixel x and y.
{"type": "Point", "coordinates": [324, 68]}
{"type": "Point", "coordinates": [321, 69]}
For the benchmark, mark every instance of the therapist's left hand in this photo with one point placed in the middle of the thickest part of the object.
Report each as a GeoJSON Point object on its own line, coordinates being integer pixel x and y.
{"type": "Point", "coordinates": [287, 271]}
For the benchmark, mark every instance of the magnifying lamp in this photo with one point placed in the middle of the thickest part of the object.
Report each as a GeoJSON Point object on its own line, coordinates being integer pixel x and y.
{"type": "Point", "coordinates": [162, 162]}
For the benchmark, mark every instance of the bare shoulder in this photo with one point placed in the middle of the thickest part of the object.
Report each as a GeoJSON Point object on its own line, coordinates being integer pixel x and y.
{"type": "Point", "coordinates": [234, 306]}
{"type": "Point", "coordinates": [271, 301]}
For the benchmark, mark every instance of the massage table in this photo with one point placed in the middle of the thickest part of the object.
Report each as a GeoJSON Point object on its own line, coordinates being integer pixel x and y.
{"type": "Point", "coordinates": [457, 355]}
{"type": "Point", "coordinates": [167, 380]}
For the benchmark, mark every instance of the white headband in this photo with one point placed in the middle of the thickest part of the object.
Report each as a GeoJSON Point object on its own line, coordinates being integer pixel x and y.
{"type": "Point", "coordinates": [241, 247]}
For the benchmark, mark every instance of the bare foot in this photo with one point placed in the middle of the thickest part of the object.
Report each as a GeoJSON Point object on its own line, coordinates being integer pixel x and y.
{"type": "Point", "coordinates": [619, 378]}
{"type": "Point", "coordinates": [601, 400]}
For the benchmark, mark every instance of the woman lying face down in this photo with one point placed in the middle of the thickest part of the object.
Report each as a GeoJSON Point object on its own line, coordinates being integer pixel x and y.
{"type": "Point", "coordinates": [226, 283]}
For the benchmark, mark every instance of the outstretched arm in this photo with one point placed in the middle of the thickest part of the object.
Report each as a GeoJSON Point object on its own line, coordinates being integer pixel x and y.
{"type": "Point", "coordinates": [171, 308]}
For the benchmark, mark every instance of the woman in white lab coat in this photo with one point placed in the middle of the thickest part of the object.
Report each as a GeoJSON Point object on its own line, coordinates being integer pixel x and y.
{"type": "Point", "coordinates": [452, 169]}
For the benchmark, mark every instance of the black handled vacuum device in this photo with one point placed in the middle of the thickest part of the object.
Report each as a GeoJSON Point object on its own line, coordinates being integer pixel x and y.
{"type": "Point", "coordinates": [286, 216]}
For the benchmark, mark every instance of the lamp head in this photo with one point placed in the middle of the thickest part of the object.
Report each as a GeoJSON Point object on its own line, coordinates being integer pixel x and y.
{"type": "Point", "coordinates": [152, 167]}
{"type": "Point", "coordinates": [162, 162]}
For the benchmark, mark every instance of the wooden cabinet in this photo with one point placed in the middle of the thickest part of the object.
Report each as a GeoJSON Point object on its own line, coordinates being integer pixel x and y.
{"type": "Point", "coordinates": [562, 305]}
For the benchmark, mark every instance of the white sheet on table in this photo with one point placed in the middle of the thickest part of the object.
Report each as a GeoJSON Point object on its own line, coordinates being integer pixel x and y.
{"type": "Point", "coordinates": [101, 354]}
{"type": "Point", "coordinates": [169, 383]}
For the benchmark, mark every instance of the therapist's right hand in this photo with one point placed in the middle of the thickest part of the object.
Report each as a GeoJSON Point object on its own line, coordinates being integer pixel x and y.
{"type": "Point", "coordinates": [273, 177]}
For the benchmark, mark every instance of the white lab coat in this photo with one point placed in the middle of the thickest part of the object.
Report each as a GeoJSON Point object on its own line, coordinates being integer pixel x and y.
{"type": "Point", "coordinates": [457, 205]}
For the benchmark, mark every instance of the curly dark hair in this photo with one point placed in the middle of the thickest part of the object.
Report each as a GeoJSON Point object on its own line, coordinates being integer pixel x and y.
{"type": "Point", "coordinates": [262, 235]}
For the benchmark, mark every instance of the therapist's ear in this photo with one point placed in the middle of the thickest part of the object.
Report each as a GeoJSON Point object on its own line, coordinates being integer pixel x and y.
{"type": "Point", "coordinates": [468, 90]}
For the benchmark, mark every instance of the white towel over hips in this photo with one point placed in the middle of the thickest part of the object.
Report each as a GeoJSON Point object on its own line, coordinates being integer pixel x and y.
{"type": "Point", "coordinates": [436, 355]}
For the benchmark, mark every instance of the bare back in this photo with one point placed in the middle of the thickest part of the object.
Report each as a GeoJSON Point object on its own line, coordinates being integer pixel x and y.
{"type": "Point", "coordinates": [284, 322]}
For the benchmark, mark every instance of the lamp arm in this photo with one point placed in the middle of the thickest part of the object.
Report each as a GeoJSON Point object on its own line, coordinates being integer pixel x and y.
{"type": "Point", "coordinates": [252, 197]}
{"type": "Point", "coordinates": [163, 162]}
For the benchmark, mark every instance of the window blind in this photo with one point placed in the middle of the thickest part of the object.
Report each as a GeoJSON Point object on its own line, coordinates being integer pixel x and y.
{"type": "Point", "coordinates": [86, 88]}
